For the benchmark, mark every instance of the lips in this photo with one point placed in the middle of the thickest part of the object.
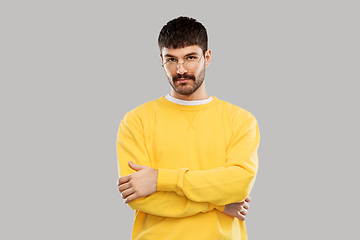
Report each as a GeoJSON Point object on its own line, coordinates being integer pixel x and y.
{"type": "Point", "coordinates": [183, 80]}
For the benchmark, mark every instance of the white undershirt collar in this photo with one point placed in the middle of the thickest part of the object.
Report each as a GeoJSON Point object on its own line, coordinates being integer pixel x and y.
{"type": "Point", "coordinates": [188, 102]}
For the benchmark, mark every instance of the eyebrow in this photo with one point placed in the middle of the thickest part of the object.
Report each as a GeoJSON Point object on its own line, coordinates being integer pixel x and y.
{"type": "Point", "coordinates": [189, 54]}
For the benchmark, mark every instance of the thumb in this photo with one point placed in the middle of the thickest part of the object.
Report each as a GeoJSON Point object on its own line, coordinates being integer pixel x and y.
{"type": "Point", "coordinates": [135, 166]}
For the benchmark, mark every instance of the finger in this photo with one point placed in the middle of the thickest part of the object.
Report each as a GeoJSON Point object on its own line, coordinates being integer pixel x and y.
{"type": "Point", "coordinates": [246, 205]}
{"type": "Point", "coordinates": [131, 198]}
{"type": "Point", "coordinates": [124, 179]}
{"type": "Point", "coordinates": [135, 166]}
{"type": "Point", "coordinates": [243, 212]}
{"type": "Point", "coordinates": [126, 193]}
{"type": "Point", "coordinates": [240, 216]}
{"type": "Point", "coordinates": [248, 199]}
{"type": "Point", "coordinates": [124, 186]}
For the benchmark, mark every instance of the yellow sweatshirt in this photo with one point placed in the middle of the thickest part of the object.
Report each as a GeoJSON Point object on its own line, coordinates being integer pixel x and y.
{"type": "Point", "coordinates": [206, 156]}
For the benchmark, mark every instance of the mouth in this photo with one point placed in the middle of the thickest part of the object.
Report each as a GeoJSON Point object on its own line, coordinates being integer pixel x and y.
{"type": "Point", "coordinates": [183, 80]}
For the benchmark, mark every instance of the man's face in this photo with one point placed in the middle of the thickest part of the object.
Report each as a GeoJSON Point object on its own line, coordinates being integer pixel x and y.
{"type": "Point", "coordinates": [182, 79]}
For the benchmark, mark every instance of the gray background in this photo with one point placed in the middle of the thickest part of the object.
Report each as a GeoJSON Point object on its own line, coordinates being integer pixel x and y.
{"type": "Point", "coordinates": [70, 70]}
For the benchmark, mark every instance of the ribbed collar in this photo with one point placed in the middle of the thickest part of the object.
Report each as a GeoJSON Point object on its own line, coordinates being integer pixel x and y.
{"type": "Point", "coordinates": [213, 102]}
{"type": "Point", "coordinates": [187, 102]}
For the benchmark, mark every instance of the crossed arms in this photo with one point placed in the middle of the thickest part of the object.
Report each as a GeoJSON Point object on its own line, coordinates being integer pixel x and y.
{"type": "Point", "coordinates": [143, 183]}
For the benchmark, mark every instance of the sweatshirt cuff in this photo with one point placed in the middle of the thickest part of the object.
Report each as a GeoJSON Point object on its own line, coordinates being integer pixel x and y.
{"type": "Point", "coordinates": [167, 180]}
{"type": "Point", "coordinates": [213, 206]}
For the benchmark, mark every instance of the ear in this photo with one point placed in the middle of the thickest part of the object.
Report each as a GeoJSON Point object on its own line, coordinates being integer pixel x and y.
{"type": "Point", "coordinates": [160, 55]}
{"type": "Point", "coordinates": [208, 57]}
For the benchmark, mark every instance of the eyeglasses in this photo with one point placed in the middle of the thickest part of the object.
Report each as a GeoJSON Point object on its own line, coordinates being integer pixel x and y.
{"type": "Point", "coordinates": [191, 64]}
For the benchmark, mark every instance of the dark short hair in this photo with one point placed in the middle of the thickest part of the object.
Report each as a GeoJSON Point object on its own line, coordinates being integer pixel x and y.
{"type": "Point", "coordinates": [183, 32]}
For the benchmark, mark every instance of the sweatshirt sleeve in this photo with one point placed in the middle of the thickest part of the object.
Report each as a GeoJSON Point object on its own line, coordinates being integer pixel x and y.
{"type": "Point", "coordinates": [131, 146]}
{"type": "Point", "coordinates": [222, 185]}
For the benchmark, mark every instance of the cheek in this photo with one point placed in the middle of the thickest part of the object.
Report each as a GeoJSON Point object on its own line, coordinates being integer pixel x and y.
{"type": "Point", "coordinates": [199, 73]}
{"type": "Point", "coordinates": [169, 75]}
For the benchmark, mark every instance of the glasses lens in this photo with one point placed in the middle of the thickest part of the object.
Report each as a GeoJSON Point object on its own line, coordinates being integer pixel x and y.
{"type": "Point", "coordinates": [170, 67]}
{"type": "Point", "coordinates": [191, 65]}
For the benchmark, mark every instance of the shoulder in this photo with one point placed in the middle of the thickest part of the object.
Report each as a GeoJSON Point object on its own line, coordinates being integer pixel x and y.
{"type": "Point", "coordinates": [139, 114]}
{"type": "Point", "coordinates": [237, 114]}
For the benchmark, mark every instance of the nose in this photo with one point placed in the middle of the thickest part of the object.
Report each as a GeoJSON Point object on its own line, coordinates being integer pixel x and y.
{"type": "Point", "coordinates": [181, 69]}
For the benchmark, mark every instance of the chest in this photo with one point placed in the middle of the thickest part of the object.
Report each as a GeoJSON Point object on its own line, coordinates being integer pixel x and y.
{"type": "Point", "coordinates": [197, 140]}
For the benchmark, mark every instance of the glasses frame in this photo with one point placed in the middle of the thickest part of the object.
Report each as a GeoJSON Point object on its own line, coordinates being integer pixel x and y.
{"type": "Point", "coordinates": [183, 63]}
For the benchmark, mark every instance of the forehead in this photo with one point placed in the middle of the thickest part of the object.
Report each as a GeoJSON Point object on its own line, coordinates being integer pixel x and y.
{"type": "Point", "coordinates": [180, 52]}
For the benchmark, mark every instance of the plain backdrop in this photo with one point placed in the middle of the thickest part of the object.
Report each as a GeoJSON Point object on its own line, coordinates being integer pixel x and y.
{"type": "Point", "coordinates": [70, 70]}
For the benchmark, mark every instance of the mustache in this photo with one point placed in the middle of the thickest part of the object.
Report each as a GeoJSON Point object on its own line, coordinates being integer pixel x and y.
{"type": "Point", "coordinates": [185, 75]}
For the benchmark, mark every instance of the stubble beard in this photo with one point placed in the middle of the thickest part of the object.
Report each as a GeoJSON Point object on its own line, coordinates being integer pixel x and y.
{"type": "Point", "coordinates": [189, 87]}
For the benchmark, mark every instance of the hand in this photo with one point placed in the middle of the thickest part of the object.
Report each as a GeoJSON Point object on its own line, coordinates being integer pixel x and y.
{"type": "Point", "coordinates": [238, 210]}
{"type": "Point", "coordinates": [139, 184]}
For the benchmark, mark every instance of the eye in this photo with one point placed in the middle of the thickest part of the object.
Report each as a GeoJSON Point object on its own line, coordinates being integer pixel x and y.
{"type": "Point", "coordinates": [171, 60]}
{"type": "Point", "coordinates": [192, 58]}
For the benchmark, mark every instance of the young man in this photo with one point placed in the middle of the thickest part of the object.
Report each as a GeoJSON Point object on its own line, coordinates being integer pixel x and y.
{"type": "Point", "coordinates": [187, 161]}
